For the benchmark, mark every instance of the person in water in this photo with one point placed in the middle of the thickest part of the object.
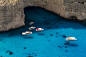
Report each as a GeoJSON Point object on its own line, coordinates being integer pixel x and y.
{"type": "Point", "coordinates": [31, 23]}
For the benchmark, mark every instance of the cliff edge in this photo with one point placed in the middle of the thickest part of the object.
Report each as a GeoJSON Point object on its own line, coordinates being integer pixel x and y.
{"type": "Point", "coordinates": [12, 11]}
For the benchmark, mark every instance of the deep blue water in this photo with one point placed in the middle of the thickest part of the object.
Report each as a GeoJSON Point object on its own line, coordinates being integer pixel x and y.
{"type": "Point", "coordinates": [48, 43]}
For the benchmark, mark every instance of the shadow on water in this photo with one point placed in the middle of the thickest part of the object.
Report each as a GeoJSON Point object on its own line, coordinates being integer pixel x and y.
{"type": "Point", "coordinates": [73, 45]}
{"type": "Point", "coordinates": [29, 37]}
{"type": "Point", "coordinates": [69, 44]}
{"type": "Point", "coordinates": [41, 34]}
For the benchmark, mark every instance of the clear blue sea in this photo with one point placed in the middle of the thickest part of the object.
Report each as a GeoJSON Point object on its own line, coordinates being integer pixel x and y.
{"type": "Point", "coordinates": [48, 43]}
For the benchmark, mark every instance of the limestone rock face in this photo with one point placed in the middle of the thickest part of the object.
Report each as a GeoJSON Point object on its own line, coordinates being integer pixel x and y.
{"type": "Point", "coordinates": [12, 11]}
{"type": "Point", "coordinates": [11, 14]}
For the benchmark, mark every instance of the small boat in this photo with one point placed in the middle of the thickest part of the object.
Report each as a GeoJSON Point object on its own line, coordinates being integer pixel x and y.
{"type": "Point", "coordinates": [70, 39]}
{"type": "Point", "coordinates": [32, 28]}
{"type": "Point", "coordinates": [31, 23]}
{"type": "Point", "coordinates": [39, 29]}
{"type": "Point", "coordinates": [27, 32]}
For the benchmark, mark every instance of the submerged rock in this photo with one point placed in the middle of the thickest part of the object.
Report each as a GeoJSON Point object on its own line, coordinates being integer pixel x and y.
{"type": "Point", "coordinates": [24, 47]}
{"type": "Point", "coordinates": [59, 46]}
{"type": "Point", "coordinates": [56, 36]}
{"type": "Point", "coordinates": [66, 51]}
{"type": "Point", "coordinates": [65, 27]}
{"type": "Point", "coordinates": [44, 17]}
{"type": "Point", "coordinates": [67, 43]}
{"type": "Point", "coordinates": [56, 32]}
{"type": "Point", "coordinates": [10, 53]}
{"type": "Point", "coordinates": [66, 47]}
{"type": "Point", "coordinates": [51, 35]}
{"type": "Point", "coordinates": [49, 40]}
{"type": "Point", "coordinates": [35, 54]}
{"type": "Point", "coordinates": [56, 26]}
{"type": "Point", "coordinates": [7, 51]}
{"type": "Point", "coordinates": [1, 39]}
{"type": "Point", "coordinates": [32, 53]}
{"type": "Point", "coordinates": [59, 35]}
{"type": "Point", "coordinates": [29, 56]}
{"type": "Point", "coordinates": [64, 36]}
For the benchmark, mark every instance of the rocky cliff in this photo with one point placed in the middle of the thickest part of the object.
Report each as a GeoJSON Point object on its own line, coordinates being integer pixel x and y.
{"type": "Point", "coordinates": [12, 11]}
{"type": "Point", "coordinates": [11, 14]}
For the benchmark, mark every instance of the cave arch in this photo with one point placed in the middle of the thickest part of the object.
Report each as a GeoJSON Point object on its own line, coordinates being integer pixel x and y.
{"type": "Point", "coordinates": [14, 11]}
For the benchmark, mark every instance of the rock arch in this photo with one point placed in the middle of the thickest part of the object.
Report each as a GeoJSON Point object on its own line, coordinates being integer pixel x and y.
{"type": "Point", "coordinates": [12, 11]}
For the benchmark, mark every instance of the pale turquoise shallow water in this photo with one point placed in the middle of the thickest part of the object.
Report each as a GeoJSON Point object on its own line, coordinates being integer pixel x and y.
{"type": "Point", "coordinates": [47, 43]}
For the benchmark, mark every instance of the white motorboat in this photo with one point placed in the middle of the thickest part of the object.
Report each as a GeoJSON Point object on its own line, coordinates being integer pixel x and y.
{"type": "Point", "coordinates": [70, 39]}
{"type": "Point", "coordinates": [27, 32]}
{"type": "Point", "coordinates": [39, 29]}
{"type": "Point", "coordinates": [32, 28]}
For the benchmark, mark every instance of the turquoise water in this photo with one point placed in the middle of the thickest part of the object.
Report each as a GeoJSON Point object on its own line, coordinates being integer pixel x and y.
{"type": "Point", "coordinates": [48, 43]}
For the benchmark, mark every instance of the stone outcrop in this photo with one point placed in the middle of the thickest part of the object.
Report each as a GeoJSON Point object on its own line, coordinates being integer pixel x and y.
{"type": "Point", "coordinates": [11, 14]}
{"type": "Point", "coordinates": [12, 11]}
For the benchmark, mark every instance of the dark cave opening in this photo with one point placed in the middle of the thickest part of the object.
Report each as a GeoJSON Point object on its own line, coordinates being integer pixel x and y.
{"type": "Point", "coordinates": [73, 17]}
{"type": "Point", "coordinates": [44, 17]}
{"type": "Point", "coordinates": [39, 12]}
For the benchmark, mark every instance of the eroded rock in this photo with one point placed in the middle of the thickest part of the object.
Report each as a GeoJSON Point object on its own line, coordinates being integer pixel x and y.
{"type": "Point", "coordinates": [12, 11]}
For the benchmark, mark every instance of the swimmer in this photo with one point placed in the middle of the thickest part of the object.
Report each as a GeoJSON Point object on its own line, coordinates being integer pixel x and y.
{"type": "Point", "coordinates": [31, 23]}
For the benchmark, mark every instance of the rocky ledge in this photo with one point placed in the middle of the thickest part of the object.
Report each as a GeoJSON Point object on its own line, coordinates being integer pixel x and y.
{"type": "Point", "coordinates": [12, 11]}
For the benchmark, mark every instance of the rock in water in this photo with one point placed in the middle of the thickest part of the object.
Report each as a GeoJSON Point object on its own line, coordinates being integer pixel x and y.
{"type": "Point", "coordinates": [64, 36]}
{"type": "Point", "coordinates": [1, 39]}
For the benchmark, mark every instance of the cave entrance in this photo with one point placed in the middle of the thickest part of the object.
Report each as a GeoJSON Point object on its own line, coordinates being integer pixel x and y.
{"type": "Point", "coordinates": [45, 18]}
{"type": "Point", "coordinates": [40, 16]}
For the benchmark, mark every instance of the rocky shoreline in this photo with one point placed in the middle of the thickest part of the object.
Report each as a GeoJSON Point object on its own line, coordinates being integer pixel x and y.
{"type": "Point", "coordinates": [12, 11]}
